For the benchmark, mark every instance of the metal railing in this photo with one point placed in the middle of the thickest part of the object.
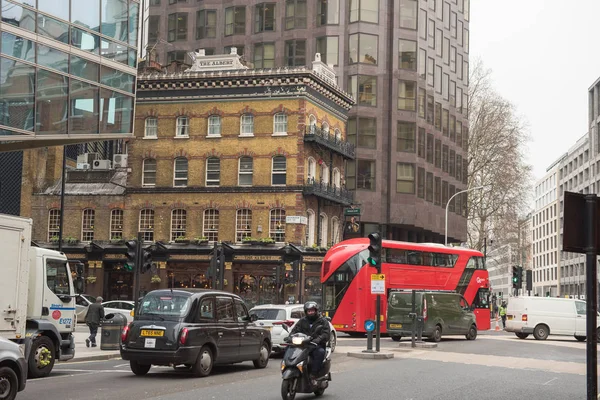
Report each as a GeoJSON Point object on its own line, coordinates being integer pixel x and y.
{"type": "Point", "coordinates": [328, 191]}
{"type": "Point", "coordinates": [329, 140]}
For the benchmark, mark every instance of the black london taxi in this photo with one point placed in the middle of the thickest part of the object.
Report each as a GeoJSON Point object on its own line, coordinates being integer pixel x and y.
{"type": "Point", "coordinates": [198, 328]}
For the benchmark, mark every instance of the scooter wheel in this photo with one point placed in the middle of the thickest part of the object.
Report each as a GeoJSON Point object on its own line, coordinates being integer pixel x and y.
{"type": "Point", "coordinates": [288, 390]}
{"type": "Point", "coordinates": [319, 392]}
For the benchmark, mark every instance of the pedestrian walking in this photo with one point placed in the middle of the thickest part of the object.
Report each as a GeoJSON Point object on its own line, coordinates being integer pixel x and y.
{"type": "Point", "coordinates": [94, 315]}
{"type": "Point", "coordinates": [503, 314]}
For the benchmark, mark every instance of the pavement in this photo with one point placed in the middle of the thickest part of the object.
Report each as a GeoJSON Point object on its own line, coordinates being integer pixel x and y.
{"type": "Point", "coordinates": [497, 365]}
{"type": "Point", "coordinates": [83, 353]}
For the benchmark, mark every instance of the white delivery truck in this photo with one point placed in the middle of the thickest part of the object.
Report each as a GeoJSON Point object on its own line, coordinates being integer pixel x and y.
{"type": "Point", "coordinates": [37, 298]}
{"type": "Point", "coordinates": [543, 316]}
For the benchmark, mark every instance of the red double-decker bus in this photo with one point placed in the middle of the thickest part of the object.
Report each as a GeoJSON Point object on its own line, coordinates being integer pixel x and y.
{"type": "Point", "coordinates": [346, 278]}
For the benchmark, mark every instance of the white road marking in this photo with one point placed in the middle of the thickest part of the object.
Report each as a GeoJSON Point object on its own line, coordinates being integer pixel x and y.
{"type": "Point", "coordinates": [551, 380]}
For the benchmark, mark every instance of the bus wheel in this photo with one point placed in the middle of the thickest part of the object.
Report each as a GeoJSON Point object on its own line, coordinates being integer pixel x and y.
{"type": "Point", "coordinates": [436, 336]}
{"type": "Point", "coordinates": [396, 338]}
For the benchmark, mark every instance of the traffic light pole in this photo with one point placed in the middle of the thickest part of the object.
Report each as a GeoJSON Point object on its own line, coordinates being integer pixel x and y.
{"type": "Point", "coordinates": [137, 271]}
{"type": "Point", "coordinates": [378, 322]}
{"type": "Point", "coordinates": [592, 304]}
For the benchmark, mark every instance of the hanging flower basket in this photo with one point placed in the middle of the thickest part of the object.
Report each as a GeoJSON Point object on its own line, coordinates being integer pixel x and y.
{"type": "Point", "coordinates": [200, 240]}
{"type": "Point", "coordinates": [155, 279]}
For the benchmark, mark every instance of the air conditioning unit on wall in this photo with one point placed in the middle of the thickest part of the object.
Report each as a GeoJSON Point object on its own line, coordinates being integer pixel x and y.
{"type": "Point", "coordinates": [83, 166]}
{"type": "Point", "coordinates": [120, 161]}
{"type": "Point", "coordinates": [87, 158]}
{"type": "Point", "coordinates": [101, 164]}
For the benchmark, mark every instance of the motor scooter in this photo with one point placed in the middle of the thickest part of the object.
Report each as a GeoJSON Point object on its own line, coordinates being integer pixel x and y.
{"type": "Point", "coordinates": [295, 368]}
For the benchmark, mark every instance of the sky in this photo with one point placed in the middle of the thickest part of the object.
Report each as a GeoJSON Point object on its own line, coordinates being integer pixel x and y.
{"type": "Point", "coordinates": [543, 58]}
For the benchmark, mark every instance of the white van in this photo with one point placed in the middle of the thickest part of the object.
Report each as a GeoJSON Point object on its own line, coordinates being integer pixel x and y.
{"type": "Point", "coordinates": [543, 316]}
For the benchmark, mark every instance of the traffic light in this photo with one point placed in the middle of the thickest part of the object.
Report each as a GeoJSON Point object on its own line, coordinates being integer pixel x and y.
{"type": "Point", "coordinates": [515, 277]}
{"type": "Point", "coordinates": [295, 270]}
{"type": "Point", "coordinates": [220, 267]}
{"type": "Point", "coordinates": [519, 277]}
{"type": "Point", "coordinates": [131, 255]}
{"type": "Point", "coordinates": [375, 250]}
{"type": "Point", "coordinates": [146, 261]}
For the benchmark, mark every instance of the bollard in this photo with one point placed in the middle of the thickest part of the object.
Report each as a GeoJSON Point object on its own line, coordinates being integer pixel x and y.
{"type": "Point", "coordinates": [413, 316]}
{"type": "Point", "coordinates": [420, 329]}
{"type": "Point", "coordinates": [370, 341]}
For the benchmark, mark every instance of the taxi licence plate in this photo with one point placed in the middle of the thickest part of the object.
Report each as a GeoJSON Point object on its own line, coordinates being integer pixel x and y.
{"type": "Point", "coordinates": [396, 326]}
{"type": "Point", "coordinates": [149, 332]}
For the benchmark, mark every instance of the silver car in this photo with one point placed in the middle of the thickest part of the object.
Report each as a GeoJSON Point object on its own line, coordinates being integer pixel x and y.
{"type": "Point", "coordinates": [273, 316]}
{"type": "Point", "coordinates": [13, 369]}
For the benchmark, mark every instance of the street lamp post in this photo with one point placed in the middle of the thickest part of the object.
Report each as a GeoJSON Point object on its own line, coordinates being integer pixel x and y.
{"type": "Point", "coordinates": [448, 203]}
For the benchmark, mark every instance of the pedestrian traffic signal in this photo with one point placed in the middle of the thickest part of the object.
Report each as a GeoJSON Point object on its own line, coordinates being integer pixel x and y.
{"type": "Point", "coordinates": [131, 255]}
{"type": "Point", "coordinates": [375, 248]}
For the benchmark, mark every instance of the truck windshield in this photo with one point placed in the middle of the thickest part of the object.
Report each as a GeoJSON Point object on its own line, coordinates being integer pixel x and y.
{"type": "Point", "coordinates": [165, 305]}
{"type": "Point", "coordinates": [57, 277]}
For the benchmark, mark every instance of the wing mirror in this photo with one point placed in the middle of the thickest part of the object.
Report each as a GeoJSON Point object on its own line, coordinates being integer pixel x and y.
{"type": "Point", "coordinates": [253, 317]}
{"type": "Point", "coordinates": [285, 327]}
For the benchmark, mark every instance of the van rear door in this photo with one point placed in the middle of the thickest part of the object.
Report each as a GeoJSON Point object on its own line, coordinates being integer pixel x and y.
{"type": "Point", "coordinates": [399, 308]}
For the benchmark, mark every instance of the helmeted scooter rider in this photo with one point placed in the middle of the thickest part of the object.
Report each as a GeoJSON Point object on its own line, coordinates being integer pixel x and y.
{"type": "Point", "coordinates": [317, 327]}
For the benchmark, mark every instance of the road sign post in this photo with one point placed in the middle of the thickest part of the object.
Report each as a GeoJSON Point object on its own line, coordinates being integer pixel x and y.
{"type": "Point", "coordinates": [378, 288]}
{"type": "Point", "coordinates": [369, 327]}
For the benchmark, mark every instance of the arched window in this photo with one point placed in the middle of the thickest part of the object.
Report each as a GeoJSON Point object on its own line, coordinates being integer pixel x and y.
{"type": "Point", "coordinates": [325, 127]}
{"type": "Point", "coordinates": [245, 171]}
{"type": "Point", "coordinates": [338, 135]}
{"type": "Point", "coordinates": [213, 171]}
{"type": "Point", "coordinates": [183, 127]}
{"type": "Point", "coordinates": [149, 172]}
{"type": "Point", "coordinates": [312, 169]}
{"type": "Point", "coordinates": [335, 230]}
{"type": "Point", "coordinates": [211, 225]}
{"type": "Point", "coordinates": [53, 223]}
{"type": "Point", "coordinates": [116, 224]}
{"type": "Point", "coordinates": [180, 172]}
{"type": "Point", "coordinates": [310, 228]}
{"type": "Point", "coordinates": [247, 125]}
{"type": "Point", "coordinates": [323, 226]}
{"type": "Point", "coordinates": [243, 225]}
{"type": "Point", "coordinates": [312, 124]}
{"type": "Point", "coordinates": [279, 171]}
{"type": "Point", "coordinates": [147, 224]}
{"type": "Point", "coordinates": [151, 129]}
{"type": "Point", "coordinates": [277, 225]}
{"type": "Point", "coordinates": [214, 125]}
{"type": "Point", "coordinates": [87, 225]}
{"type": "Point", "coordinates": [178, 224]}
{"type": "Point", "coordinates": [324, 173]}
{"type": "Point", "coordinates": [337, 178]}
{"type": "Point", "coordinates": [280, 124]}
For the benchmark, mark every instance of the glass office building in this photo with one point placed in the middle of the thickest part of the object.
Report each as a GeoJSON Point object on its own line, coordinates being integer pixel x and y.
{"type": "Point", "coordinates": [67, 70]}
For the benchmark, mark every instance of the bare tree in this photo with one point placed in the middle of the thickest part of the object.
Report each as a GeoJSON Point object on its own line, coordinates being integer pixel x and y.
{"type": "Point", "coordinates": [497, 140]}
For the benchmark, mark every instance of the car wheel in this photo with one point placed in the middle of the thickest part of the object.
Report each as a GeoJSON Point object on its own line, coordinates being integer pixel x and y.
{"type": "Point", "coordinates": [332, 341]}
{"type": "Point", "coordinates": [541, 332]}
{"type": "Point", "coordinates": [41, 357]}
{"type": "Point", "coordinates": [139, 369]}
{"type": "Point", "coordinates": [396, 338]}
{"type": "Point", "coordinates": [204, 363]}
{"type": "Point", "coordinates": [522, 335]}
{"type": "Point", "coordinates": [472, 334]}
{"type": "Point", "coordinates": [436, 336]}
{"type": "Point", "coordinates": [9, 383]}
{"type": "Point", "coordinates": [263, 358]}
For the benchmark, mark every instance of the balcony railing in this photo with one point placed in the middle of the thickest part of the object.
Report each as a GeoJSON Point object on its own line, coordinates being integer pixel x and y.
{"type": "Point", "coordinates": [329, 192]}
{"type": "Point", "coordinates": [329, 140]}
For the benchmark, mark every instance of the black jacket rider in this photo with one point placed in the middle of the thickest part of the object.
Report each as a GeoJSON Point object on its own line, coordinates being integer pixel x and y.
{"type": "Point", "coordinates": [317, 330]}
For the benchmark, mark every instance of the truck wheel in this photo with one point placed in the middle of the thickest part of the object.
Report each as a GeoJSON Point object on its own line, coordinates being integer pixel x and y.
{"type": "Point", "coordinates": [9, 384]}
{"type": "Point", "coordinates": [541, 332]}
{"type": "Point", "coordinates": [41, 358]}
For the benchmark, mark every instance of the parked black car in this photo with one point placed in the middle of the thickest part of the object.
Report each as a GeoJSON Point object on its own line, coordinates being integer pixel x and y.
{"type": "Point", "coordinates": [199, 328]}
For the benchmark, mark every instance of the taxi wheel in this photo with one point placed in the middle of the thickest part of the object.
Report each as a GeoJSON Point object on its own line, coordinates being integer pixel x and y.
{"type": "Point", "coordinates": [139, 369]}
{"type": "Point", "coordinates": [204, 363]}
{"type": "Point", "coordinates": [263, 358]}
